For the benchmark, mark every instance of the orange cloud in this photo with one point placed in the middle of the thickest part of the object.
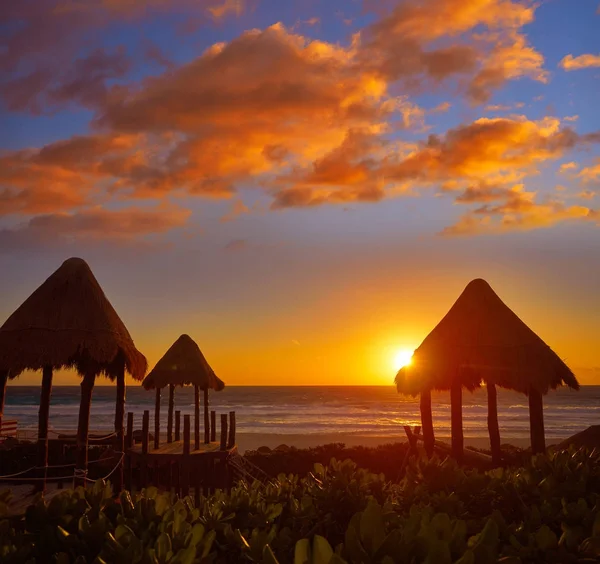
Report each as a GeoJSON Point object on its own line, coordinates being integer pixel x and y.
{"type": "Point", "coordinates": [590, 173]}
{"type": "Point", "coordinates": [479, 40]}
{"type": "Point", "coordinates": [41, 36]}
{"type": "Point", "coordinates": [567, 167]}
{"type": "Point", "coordinates": [238, 208]}
{"type": "Point", "coordinates": [570, 63]}
{"type": "Point", "coordinates": [95, 224]}
{"type": "Point", "coordinates": [520, 212]}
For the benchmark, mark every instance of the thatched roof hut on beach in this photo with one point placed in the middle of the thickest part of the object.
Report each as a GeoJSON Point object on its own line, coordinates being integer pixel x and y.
{"type": "Point", "coordinates": [183, 365]}
{"type": "Point", "coordinates": [482, 339]}
{"type": "Point", "coordinates": [68, 322]}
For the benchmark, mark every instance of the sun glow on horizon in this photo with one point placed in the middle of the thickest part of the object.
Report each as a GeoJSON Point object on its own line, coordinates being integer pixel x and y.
{"type": "Point", "coordinates": [402, 358]}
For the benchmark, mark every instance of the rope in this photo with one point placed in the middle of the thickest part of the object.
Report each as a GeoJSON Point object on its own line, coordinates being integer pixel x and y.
{"type": "Point", "coordinates": [14, 476]}
{"type": "Point", "coordinates": [111, 472]}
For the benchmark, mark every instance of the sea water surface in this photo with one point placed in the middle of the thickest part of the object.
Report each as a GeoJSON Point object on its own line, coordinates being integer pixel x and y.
{"type": "Point", "coordinates": [377, 411]}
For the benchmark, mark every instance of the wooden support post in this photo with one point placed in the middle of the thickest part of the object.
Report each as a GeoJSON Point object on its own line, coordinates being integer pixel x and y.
{"type": "Point", "coordinates": [145, 431]}
{"type": "Point", "coordinates": [119, 425]}
{"type": "Point", "coordinates": [128, 445]}
{"type": "Point", "coordinates": [231, 440]}
{"type": "Point", "coordinates": [196, 417]}
{"type": "Point", "coordinates": [157, 419]}
{"type": "Point", "coordinates": [43, 417]}
{"type": "Point", "coordinates": [223, 431]}
{"type": "Point", "coordinates": [427, 422]}
{"type": "Point", "coordinates": [185, 463]}
{"type": "Point", "coordinates": [3, 381]}
{"type": "Point", "coordinates": [206, 423]}
{"type": "Point", "coordinates": [492, 421]}
{"type": "Point", "coordinates": [145, 439]}
{"type": "Point", "coordinates": [213, 426]}
{"type": "Point", "coordinates": [536, 422]}
{"type": "Point", "coordinates": [457, 425]}
{"type": "Point", "coordinates": [170, 413]}
{"type": "Point", "coordinates": [87, 387]}
{"type": "Point", "coordinates": [177, 425]}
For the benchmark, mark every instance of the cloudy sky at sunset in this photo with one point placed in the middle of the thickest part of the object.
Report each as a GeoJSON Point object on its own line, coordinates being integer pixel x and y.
{"type": "Point", "coordinates": [305, 186]}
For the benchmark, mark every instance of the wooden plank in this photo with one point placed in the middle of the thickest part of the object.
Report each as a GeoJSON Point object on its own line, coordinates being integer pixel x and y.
{"type": "Point", "coordinates": [223, 431]}
{"type": "Point", "coordinates": [145, 431]}
{"type": "Point", "coordinates": [231, 440]}
{"type": "Point", "coordinates": [213, 426]}
{"type": "Point", "coordinates": [177, 425]}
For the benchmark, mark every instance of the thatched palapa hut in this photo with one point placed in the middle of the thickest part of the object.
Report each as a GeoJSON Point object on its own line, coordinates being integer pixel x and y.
{"type": "Point", "coordinates": [68, 322]}
{"type": "Point", "coordinates": [482, 339]}
{"type": "Point", "coordinates": [183, 365]}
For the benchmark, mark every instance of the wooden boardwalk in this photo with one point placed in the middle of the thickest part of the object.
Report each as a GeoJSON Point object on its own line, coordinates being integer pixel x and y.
{"type": "Point", "coordinates": [176, 449]}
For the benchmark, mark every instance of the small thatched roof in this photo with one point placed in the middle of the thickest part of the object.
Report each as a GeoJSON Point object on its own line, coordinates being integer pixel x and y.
{"type": "Point", "coordinates": [481, 338]}
{"type": "Point", "coordinates": [183, 364]}
{"type": "Point", "coordinates": [68, 322]}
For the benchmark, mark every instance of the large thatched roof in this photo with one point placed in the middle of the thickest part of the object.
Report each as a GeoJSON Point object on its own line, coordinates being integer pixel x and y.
{"type": "Point", "coordinates": [68, 322]}
{"type": "Point", "coordinates": [183, 364]}
{"type": "Point", "coordinates": [481, 338]}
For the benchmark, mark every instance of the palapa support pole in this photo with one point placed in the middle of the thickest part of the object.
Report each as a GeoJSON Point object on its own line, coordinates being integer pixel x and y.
{"type": "Point", "coordinates": [213, 426]}
{"type": "Point", "coordinates": [206, 423]}
{"type": "Point", "coordinates": [87, 387]}
{"type": "Point", "coordinates": [170, 414]}
{"type": "Point", "coordinates": [492, 421]}
{"type": "Point", "coordinates": [223, 445]}
{"type": "Point", "coordinates": [157, 419]}
{"type": "Point", "coordinates": [427, 422]}
{"type": "Point", "coordinates": [536, 422]}
{"type": "Point", "coordinates": [177, 426]}
{"type": "Point", "coordinates": [196, 417]}
{"type": "Point", "coordinates": [3, 381]}
{"type": "Point", "coordinates": [145, 431]}
{"type": "Point", "coordinates": [231, 440]}
{"type": "Point", "coordinates": [128, 445]}
{"type": "Point", "coordinates": [145, 440]}
{"type": "Point", "coordinates": [43, 417]}
{"type": "Point", "coordinates": [457, 426]}
{"type": "Point", "coordinates": [119, 425]}
{"type": "Point", "coordinates": [185, 463]}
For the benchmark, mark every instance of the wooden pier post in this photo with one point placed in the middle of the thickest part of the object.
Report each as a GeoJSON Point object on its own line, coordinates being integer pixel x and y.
{"type": "Point", "coordinates": [206, 423]}
{"type": "Point", "coordinates": [43, 416]}
{"type": "Point", "coordinates": [536, 422]}
{"type": "Point", "coordinates": [185, 463]}
{"type": "Point", "coordinates": [427, 422]}
{"type": "Point", "coordinates": [87, 387]}
{"type": "Point", "coordinates": [223, 431]}
{"type": "Point", "coordinates": [144, 464]}
{"type": "Point", "coordinates": [492, 421]}
{"type": "Point", "coordinates": [170, 413]}
{"type": "Point", "coordinates": [196, 417]}
{"type": "Point", "coordinates": [128, 445]}
{"type": "Point", "coordinates": [177, 425]}
{"type": "Point", "coordinates": [119, 426]}
{"type": "Point", "coordinates": [231, 440]}
{"type": "Point", "coordinates": [456, 421]}
{"type": "Point", "coordinates": [157, 419]}
{"type": "Point", "coordinates": [213, 426]}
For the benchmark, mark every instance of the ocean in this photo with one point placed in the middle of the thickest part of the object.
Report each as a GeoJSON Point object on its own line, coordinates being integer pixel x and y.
{"type": "Point", "coordinates": [376, 411]}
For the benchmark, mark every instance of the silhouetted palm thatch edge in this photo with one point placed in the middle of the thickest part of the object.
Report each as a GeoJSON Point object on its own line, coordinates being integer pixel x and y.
{"type": "Point", "coordinates": [183, 365]}
{"type": "Point", "coordinates": [520, 360]}
{"type": "Point", "coordinates": [68, 322]}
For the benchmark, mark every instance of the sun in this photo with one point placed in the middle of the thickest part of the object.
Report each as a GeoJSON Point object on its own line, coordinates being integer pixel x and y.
{"type": "Point", "coordinates": [402, 358]}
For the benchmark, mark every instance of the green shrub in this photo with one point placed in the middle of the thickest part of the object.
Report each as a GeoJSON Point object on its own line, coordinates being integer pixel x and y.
{"type": "Point", "coordinates": [547, 511]}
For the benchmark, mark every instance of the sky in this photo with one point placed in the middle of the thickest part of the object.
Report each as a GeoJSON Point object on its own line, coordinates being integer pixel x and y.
{"type": "Point", "coordinates": [305, 187]}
